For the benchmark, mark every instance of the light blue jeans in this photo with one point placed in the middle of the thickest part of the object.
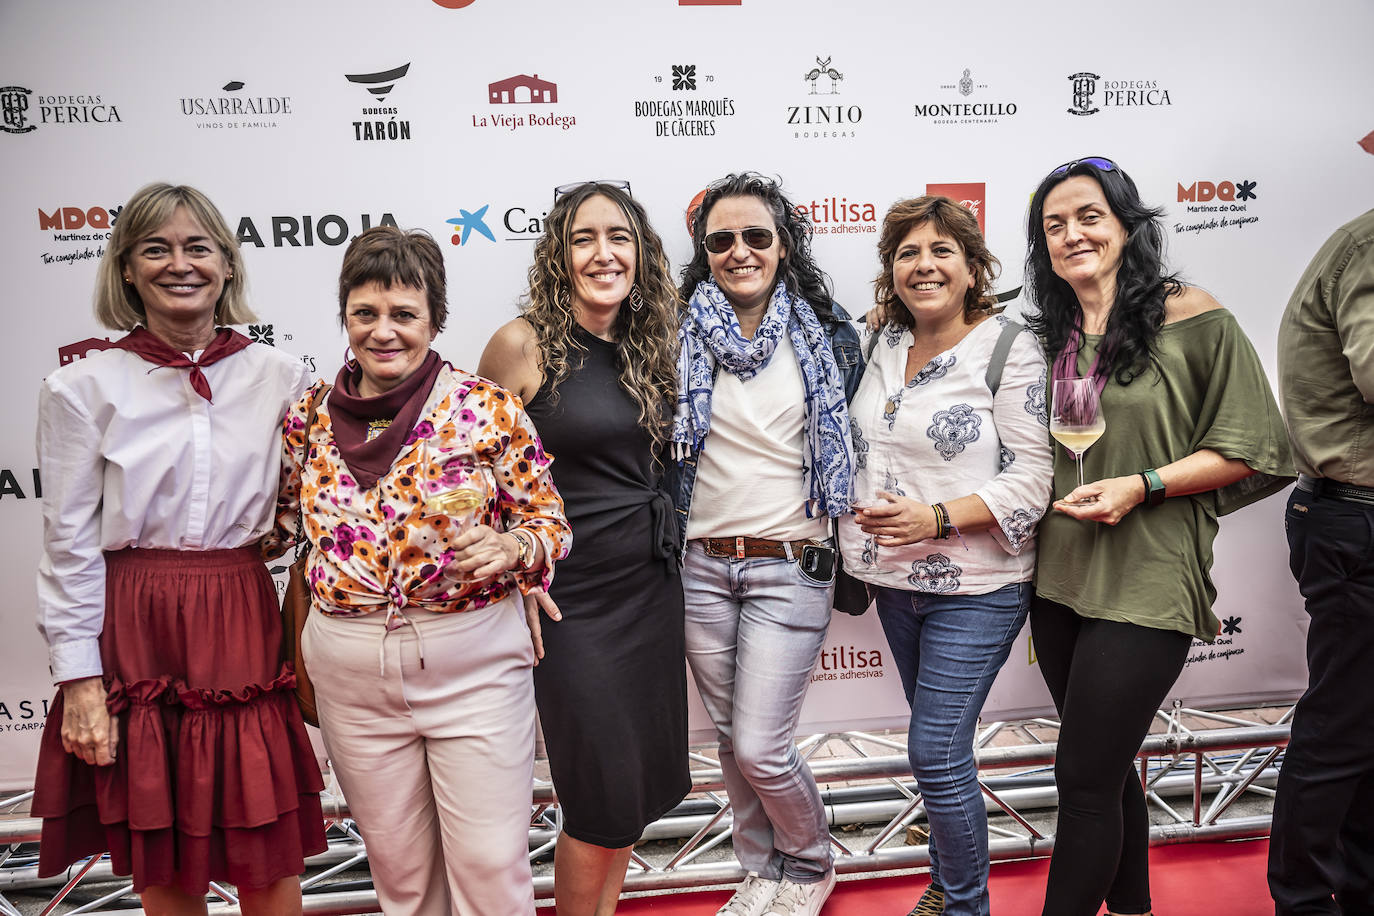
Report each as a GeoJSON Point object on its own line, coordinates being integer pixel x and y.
{"type": "Point", "coordinates": [948, 650]}
{"type": "Point", "coordinates": [755, 629]}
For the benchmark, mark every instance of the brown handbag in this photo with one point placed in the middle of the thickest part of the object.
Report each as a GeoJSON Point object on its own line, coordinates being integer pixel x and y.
{"type": "Point", "coordinates": [295, 605]}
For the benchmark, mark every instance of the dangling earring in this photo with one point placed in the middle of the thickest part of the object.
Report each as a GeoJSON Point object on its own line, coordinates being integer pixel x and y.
{"type": "Point", "coordinates": [350, 363]}
{"type": "Point", "coordinates": [564, 300]}
{"type": "Point", "coordinates": [636, 298]}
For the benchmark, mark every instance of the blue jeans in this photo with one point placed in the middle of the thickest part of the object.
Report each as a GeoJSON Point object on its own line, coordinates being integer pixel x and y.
{"type": "Point", "coordinates": [948, 649]}
{"type": "Point", "coordinates": [755, 629]}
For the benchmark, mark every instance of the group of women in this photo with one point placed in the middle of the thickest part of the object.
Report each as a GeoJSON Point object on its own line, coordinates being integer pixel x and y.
{"type": "Point", "coordinates": [719, 446]}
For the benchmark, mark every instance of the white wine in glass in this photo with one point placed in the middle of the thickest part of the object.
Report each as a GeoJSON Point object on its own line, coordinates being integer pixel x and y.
{"type": "Point", "coordinates": [1076, 421]}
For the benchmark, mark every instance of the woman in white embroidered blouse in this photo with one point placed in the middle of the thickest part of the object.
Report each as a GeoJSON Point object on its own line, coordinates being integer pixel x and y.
{"type": "Point", "coordinates": [952, 472]}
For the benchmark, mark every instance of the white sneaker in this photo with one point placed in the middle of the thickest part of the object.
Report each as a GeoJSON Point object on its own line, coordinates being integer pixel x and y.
{"type": "Point", "coordinates": [801, 899]}
{"type": "Point", "coordinates": [751, 898]}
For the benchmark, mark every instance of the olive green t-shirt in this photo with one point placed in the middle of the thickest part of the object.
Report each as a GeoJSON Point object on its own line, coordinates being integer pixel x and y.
{"type": "Point", "coordinates": [1152, 569]}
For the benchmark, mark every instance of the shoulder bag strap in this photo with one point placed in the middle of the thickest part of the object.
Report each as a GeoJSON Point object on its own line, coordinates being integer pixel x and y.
{"type": "Point", "coordinates": [998, 361]}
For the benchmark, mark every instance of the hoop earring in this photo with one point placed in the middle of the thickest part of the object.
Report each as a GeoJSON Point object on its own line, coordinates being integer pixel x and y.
{"type": "Point", "coordinates": [350, 363]}
{"type": "Point", "coordinates": [636, 298]}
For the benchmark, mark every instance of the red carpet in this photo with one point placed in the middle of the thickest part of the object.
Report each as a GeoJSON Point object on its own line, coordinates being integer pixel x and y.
{"type": "Point", "coordinates": [1193, 879]}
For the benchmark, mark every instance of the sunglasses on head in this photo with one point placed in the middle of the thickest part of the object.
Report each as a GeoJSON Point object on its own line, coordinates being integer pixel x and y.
{"type": "Point", "coordinates": [620, 184]}
{"type": "Point", "coordinates": [756, 237]}
{"type": "Point", "coordinates": [1097, 162]}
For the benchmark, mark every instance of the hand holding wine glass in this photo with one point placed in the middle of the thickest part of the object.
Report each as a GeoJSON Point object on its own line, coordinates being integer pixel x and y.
{"type": "Point", "coordinates": [463, 491]}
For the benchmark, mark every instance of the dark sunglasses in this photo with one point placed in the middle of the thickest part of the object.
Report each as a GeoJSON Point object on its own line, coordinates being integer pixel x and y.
{"type": "Point", "coordinates": [756, 237]}
{"type": "Point", "coordinates": [1097, 162]}
{"type": "Point", "coordinates": [619, 184]}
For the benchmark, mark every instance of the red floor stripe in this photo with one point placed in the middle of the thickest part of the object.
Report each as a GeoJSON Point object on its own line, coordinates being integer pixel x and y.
{"type": "Point", "coordinates": [1191, 879]}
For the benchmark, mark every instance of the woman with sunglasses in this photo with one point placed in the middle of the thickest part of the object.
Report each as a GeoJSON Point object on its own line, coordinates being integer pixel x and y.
{"type": "Point", "coordinates": [594, 357]}
{"type": "Point", "coordinates": [766, 365]}
{"type": "Point", "coordinates": [1122, 584]}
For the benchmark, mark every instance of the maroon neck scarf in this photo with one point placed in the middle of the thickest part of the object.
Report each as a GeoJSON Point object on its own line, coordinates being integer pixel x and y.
{"type": "Point", "coordinates": [154, 349]}
{"type": "Point", "coordinates": [350, 413]}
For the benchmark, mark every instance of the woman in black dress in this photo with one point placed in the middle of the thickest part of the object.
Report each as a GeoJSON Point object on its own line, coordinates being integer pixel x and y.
{"type": "Point", "coordinates": [593, 356]}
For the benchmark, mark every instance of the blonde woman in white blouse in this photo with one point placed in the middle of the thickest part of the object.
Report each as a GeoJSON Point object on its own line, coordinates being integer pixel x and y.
{"type": "Point", "coordinates": [953, 468]}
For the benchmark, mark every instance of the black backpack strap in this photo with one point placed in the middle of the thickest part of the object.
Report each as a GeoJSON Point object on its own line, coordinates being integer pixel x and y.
{"type": "Point", "coordinates": [998, 361]}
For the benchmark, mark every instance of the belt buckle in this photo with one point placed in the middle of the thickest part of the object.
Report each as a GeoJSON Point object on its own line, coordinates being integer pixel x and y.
{"type": "Point", "coordinates": [739, 548]}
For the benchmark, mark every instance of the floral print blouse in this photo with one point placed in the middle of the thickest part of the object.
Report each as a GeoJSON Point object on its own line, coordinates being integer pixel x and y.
{"type": "Point", "coordinates": [383, 548]}
{"type": "Point", "coordinates": [941, 435]}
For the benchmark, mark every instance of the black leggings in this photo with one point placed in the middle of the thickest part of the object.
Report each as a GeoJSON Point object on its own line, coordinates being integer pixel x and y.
{"type": "Point", "coordinates": [1107, 680]}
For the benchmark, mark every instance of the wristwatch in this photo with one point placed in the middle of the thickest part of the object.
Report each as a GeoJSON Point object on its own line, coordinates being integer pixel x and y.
{"type": "Point", "coordinates": [524, 557]}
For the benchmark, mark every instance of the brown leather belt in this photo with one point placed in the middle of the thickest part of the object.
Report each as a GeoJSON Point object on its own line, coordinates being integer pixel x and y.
{"type": "Point", "coordinates": [742, 548]}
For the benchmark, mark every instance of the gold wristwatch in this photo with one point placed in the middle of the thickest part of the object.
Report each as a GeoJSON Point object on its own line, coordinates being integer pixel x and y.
{"type": "Point", "coordinates": [525, 549]}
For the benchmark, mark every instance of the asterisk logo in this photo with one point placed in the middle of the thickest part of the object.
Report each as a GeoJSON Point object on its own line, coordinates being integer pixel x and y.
{"type": "Point", "coordinates": [261, 333]}
{"type": "Point", "coordinates": [1230, 626]}
{"type": "Point", "coordinates": [684, 76]}
{"type": "Point", "coordinates": [114, 214]}
{"type": "Point", "coordinates": [1245, 190]}
{"type": "Point", "coordinates": [465, 223]}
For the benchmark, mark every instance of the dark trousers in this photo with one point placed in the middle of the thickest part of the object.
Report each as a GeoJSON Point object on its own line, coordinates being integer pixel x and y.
{"type": "Point", "coordinates": [1107, 680]}
{"type": "Point", "coordinates": [1321, 852]}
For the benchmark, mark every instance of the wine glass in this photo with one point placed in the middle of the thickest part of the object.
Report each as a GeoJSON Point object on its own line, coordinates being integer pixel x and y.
{"type": "Point", "coordinates": [1076, 420]}
{"type": "Point", "coordinates": [462, 490]}
{"type": "Point", "coordinates": [869, 550]}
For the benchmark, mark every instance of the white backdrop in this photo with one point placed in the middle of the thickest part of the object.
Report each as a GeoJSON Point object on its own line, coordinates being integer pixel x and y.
{"type": "Point", "coordinates": [280, 113]}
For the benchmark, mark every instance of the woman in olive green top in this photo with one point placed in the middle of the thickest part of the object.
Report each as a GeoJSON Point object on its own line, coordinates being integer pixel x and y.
{"type": "Point", "coordinates": [1122, 585]}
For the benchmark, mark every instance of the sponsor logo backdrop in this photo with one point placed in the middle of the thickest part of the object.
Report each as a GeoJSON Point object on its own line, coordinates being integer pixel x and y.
{"type": "Point", "coordinates": [310, 122]}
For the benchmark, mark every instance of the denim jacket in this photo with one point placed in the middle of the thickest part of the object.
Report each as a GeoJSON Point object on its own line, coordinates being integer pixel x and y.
{"type": "Point", "coordinates": [844, 344]}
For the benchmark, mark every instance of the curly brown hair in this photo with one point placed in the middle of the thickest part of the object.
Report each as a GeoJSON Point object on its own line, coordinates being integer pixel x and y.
{"type": "Point", "coordinates": [645, 337]}
{"type": "Point", "coordinates": [951, 219]}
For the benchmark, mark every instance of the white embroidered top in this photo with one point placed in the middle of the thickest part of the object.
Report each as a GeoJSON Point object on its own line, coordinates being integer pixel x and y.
{"type": "Point", "coordinates": [942, 435]}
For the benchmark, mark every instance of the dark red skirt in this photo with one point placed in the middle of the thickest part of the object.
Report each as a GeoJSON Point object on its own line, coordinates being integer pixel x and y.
{"type": "Point", "coordinates": [215, 778]}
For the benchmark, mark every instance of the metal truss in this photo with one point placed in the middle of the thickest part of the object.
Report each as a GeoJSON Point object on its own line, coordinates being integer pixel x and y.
{"type": "Point", "coordinates": [1193, 776]}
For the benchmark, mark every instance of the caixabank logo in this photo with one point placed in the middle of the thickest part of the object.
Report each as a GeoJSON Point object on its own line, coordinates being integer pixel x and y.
{"type": "Point", "coordinates": [1092, 93]}
{"type": "Point", "coordinates": [1210, 205]}
{"type": "Point", "coordinates": [964, 101]}
{"type": "Point", "coordinates": [236, 106]}
{"type": "Point", "coordinates": [693, 107]}
{"type": "Point", "coordinates": [23, 110]}
{"type": "Point", "coordinates": [475, 226]}
{"type": "Point", "coordinates": [73, 234]}
{"type": "Point", "coordinates": [523, 102]}
{"type": "Point", "coordinates": [380, 120]}
{"type": "Point", "coordinates": [470, 223]}
{"type": "Point", "coordinates": [824, 113]}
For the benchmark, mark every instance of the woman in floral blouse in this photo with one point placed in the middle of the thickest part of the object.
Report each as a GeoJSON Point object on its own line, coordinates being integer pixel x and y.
{"type": "Point", "coordinates": [952, 467]}
{"type": "Point", "coordinates": [419, 653]}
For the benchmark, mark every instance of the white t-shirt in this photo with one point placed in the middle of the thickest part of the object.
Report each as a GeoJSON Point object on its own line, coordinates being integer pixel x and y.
{"type": "Point", "coordinates": [750, 480]}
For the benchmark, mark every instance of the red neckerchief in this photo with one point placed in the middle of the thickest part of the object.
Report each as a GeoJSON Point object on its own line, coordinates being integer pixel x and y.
{"type": "Point", "coordinates": [350, 413]}
{"type": "Point", "coordinates": [144, 343]}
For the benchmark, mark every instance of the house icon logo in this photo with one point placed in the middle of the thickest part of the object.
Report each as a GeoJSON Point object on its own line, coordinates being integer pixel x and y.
{"type": "Point", "coordinates": [522, 90]}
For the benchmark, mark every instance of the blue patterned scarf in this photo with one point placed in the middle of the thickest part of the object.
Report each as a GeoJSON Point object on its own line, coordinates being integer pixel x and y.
{"type": "Point", "coordinates": [711, 336]}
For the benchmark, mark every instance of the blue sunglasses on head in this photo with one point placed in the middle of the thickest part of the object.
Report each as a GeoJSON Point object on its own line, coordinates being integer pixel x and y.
{"type": "Point", "coordinates": [1097, 162]}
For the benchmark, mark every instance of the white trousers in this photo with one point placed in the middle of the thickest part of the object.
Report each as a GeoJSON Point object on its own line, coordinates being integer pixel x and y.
{"type": "Point", "coordinates": [436, 764]}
